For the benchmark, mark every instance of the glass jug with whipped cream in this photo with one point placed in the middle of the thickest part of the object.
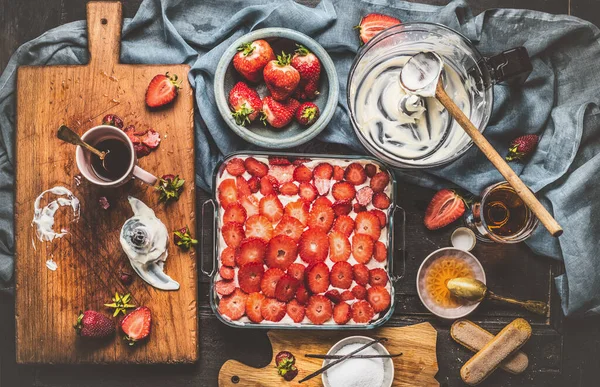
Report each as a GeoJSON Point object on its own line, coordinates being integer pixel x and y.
{"type": "Point", "coordinates": [408, 131]}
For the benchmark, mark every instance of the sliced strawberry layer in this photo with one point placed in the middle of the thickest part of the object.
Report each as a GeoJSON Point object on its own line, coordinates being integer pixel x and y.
{"type": "Point", "coordinates": [342, 313]}
{"type": "Point", "coordinates": [251, 250]}
{"type": "Point", "coordinates": [341, 275]}
{"type": "Point", "coordinates": [379, 298]}
{"type": "Point", "coordinates": [302, 173]}
{"type": "Point", "coordinates": [259, 226]}
{"type": "Point", "coordinates": [234, 305]}
{"type": "Point", "coordinates": [360, 292]}
{"type": "Point", "coordinates": [367, 223]}
{"type": "Point", "coordinates": [339, 246]}
{"type": "Point", "coordinates": [362, 312]}
{"type": "Point", "coordinates": [299, 210]}
{"type": "Point", "coordinates": [362, 248]}
{"type": "Point", "coordinates": [307, 191]}
{"type": "Point", "coordinates": [296, 270]}
{"type": "Point", "coordinates": [235, 213]}
{"type": "Point", "coordinates": [272, 309]}
{"type": "Point", "coordinates": [290, 227]}
{"type": "Point", "coordinates": [271, 208]}
{"type": "Point", "coordinates": [361, 274]}
{"type": "Point", "coordinates": [378, 277]}
{"type": "Point", "coordinates": [380, 251]}
{"type": "Point", "coordinates": [321, 217]}
{"type": "Point", "coordinates": [381, 201]}
{"type": "Point", "coordinates": [228, 256]}
{"type": "Point", "coordinates": [235, 167]}
{"type": "Point", "coordinates": [250, 276]}
{"type": "Point", "coordinates": [283, 174]}
{"type": "Point", "coordinates": [269, 281]}
{"type": "Point", "coordinates": [343, 191]}
{"type": "Point", "coordinates": [317, 277]}
{"type": "Point", "coordinates": [226, 272]}
{"type": "Point", "coordinates": [380, 181]}
{"type": "Point", "coordinates": [313, 246]}
{"type": "Point", "coordinates": [224, 287]}
{"type": "Point", "coordinates": [253, 306]}
{"type": "Point", "coordinates": [342, 207]}
{"type": "Point", "coordinates": [319, 309]}
{"type": "Point", "coordinates": [255, 167]}
{"type": "Point", "coordinates": [286, 288]}
{"type": "Point", "coordinates": [233, 234]}
{"type": "Point", "coordinates": [296, 311]}
{"type": "Point", "coordinates": [322, 201]}
{"type": "Point", "coordinates": [281, 252]}
{"type": "Point", "coordinates": [227, 193]}
{"type": "Point", "coordinates": [289, 189]}
{"type": "Point", "coordinates": [333, 295]}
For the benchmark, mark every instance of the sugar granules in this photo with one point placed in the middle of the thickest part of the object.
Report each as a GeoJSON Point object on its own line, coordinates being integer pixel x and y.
{"type": "Point", "coordinates": [356, 372]}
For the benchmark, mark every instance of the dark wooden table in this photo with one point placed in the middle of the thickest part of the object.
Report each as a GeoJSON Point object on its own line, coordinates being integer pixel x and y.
{"type": "Point", "coordinates": [562, 352]}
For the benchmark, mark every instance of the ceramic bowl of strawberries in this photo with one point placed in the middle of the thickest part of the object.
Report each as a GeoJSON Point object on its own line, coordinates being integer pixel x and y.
{"type": "Point", "coordinates": [276, 88]}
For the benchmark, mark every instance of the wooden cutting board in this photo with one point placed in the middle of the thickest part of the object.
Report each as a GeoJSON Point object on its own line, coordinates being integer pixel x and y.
{"type": "Point", "coordinates": [416, 367]}
{"type": "Point", "coordinates": [90, 257]}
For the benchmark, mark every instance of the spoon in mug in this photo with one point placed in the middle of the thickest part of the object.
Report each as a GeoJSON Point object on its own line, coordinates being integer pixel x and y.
{"type": "Point", "coordinates": [68, 135]}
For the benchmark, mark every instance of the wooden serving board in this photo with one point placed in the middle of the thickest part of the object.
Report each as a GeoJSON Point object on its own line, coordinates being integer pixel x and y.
{"type": "Point", "coordinates": [416, 367]}
{"type": "Point", "coordinates": [90, 257]}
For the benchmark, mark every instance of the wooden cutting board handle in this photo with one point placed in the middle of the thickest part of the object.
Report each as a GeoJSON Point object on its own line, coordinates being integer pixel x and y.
{"type": "Point", "coordinates": [104, 22]}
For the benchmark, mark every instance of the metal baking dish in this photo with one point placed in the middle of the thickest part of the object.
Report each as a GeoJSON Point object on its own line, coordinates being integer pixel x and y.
{"type": "Point", "coordinates": [210, 208]}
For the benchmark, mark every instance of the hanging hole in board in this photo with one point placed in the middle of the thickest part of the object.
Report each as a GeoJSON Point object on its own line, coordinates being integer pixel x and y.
{"type": "Point", "coordinates": [235, 379]}
{"type": "Point", "coordinates": [103, 20]}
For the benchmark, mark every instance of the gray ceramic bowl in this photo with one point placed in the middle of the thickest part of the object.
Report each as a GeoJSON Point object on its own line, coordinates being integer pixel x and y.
{"type": "Point", "coordinates": [293, 134]}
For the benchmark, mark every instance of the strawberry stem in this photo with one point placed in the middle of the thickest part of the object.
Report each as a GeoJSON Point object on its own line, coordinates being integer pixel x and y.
{"type": "Point", "coordinates": [284, 59]}
{"type": "Point", "coordinates": [242, 116]}
{"type": "Point", "coordinates": [246, 49]}
{"type": "Point", "coordinates": [301, 50]}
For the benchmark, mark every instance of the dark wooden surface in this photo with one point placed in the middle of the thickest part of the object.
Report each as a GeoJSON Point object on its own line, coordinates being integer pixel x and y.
{"type": "Point", "coordinates": [562, 352]}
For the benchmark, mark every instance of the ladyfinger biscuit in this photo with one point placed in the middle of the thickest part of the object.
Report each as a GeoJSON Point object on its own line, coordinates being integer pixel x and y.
{"type": "Point", "coordinates": [484, 362]}
{"type": "Point", "coordinates": [472, 336]}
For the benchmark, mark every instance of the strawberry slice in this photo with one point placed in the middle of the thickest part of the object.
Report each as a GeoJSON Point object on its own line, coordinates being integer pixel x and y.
{"type": "Point", "coordinates": [151, 139]}
{"type": "Point", "coordinates": [317, 276]}
{"type": "Point", "coordinates": [253, 184]}
{"type": "Point", "coordinates": [162, 90]}
{"type": "Point", "coordinates": [367, 223]}
{"type": "Point", "coordinates": [242, 187]}
{"type": "Point", "coordinates": [355, 174]}
{"type": "Point", "coordinates": [302, 173]}
{"type": "Point", "coordinates": [307, 191]}
{"type": "Point", "coordinates": [136, 325]}
{"type": "Point", "coordinates": [343, 191]}
{"type": "Point", "coordinates": [251, 250]}
{"type": "Point", "coordinates": [380, 181]}
{"type": "Point", "coordinates": [235, 213]}
{"type": "Point", "coordinates": [289, 189]}
{"type": "Point", "coordinates": [322, 185]}
{"type": "Point", "coordinates": [250, 204]}
{"type": "Point", "coordinates": [342, 207]}
{"type": "Point", "coordinates": [250, 276]}
{"type": "Point", "coordinates": [379, 298]}
{"type": "Point", "coordinates": [445, 207]}
{"type": "Point", "coordinates": [361, 274]}
{"type": "Point", "coordinates": [269, 185]}
{"type": "Point", "coordinates": [380, 251]}
{"type": "Point", "coordinates": [296, 270]}
{"type": "Point", "coordinates": [224, 287]}
{"type": "Point", "coordinates": [322, 201]}
{"type": "Point", "coordinates": [233, 234]}
{"type": "Point", "coordinates": [360, 292]}
{"type": "Point", "coordinates": [255, 167]}
{"type": "Point", "coordinates": [319, 309]}
{"type": "Point", "coordinates": [382, 217]}
{"type": "Point", "coordinates": [321, 218]}
{"type": "Point", "coordinates": [339, 246]}
{"type": "Point", "coordinates": [286, 288]}
{"type": "Point", "coordinates": [302, 295]}
{"type": "Point", "coordinates": [342, 313]}
{"type": "Point", "coordinates": [358, 208]}
{"type": "Point", "coordinates": [290, 227]}
{"type": "Point", "coordinates": [344, 224]}
{"type": "Point", "coordinates": [313, 246]}
{"type": "Point", "coordinates": [271, 208]}
{"type": "Point", "coordinates": [233, 305]}
{"type": "Point", "coordinates": [347, 295]}
{"type": "Point", "coordinates": [259, 226]}
{"type": "Point", "coordinates": [283, 174]}
{"type": "Point", "coordinates": [382, 201]}
{"type": "Point", "coordinates": [323, 171]}
{"type": "Point", "coordinates": [338, 173]}
{"type": "Point", "coordinates": [296, 311]}
{"type": "Point", "coordinates": [273, 160]}
{"type": "Point", "coordinates": [364, 196]}
{"type": "Point", "coordinates": [269, 281]}
{"type": "Point", "coordinates": [273, 310]}
{"type": "Point", "coordinates": [235, 167]}
{"type": "Point", "coordinates": [281, 252]}
{"type": "Point", "coordinates": [341, 275]}
{"type": "Point", "coordinates": [334, 295]}
{"type": "Point", "coordinates": [374, 23]}
{"type": "Point", "coordinates": [226, 272]}
{"type": "Point", "coordinates": [362, 248]}
{"type": "Point", "coordinates": [300, 161]}
{"type": "Point", "coordinates": [253, 306]}
{"type": "Point", "coordinates": [227, 193]}
{"type": "Point", "coordinates": [362, 312]}
{"type": "Point", "coordinates": [378, 277]}
{"type": "Point", "coordinates": [370, 170]}
{"type": "Point", "coordinates": [228, 257]}
{"type": "Point", "coordinates": [299, 210]}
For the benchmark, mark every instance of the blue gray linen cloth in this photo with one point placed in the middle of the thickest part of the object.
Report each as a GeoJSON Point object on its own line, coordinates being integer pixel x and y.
{"type": "Point", "coordinates": [559, 102]}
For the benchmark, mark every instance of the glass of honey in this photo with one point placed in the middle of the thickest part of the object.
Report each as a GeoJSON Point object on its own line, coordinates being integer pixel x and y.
{"type": "Point", "coordinates": [500, 216]}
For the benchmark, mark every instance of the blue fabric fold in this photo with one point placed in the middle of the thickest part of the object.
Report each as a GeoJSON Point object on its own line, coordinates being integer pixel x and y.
{"type": "Point", "coordinates": [559, 102]}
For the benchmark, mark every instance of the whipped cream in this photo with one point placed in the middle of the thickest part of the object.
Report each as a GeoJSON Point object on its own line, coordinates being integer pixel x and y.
{"type": "Point", "coordinates": [43, 217]}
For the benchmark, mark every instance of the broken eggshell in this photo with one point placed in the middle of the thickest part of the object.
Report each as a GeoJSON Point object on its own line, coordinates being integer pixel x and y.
{"type": "Point", "coordinates": [144, 239]}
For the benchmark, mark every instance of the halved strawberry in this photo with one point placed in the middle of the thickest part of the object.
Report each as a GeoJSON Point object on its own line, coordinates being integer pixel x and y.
{"type": "Point", "coordinates": [307, 192]}
{"type": "Point", "coordinates": [296, 311]}
{"type": "Point", "coordinates": [233, 305]}
{"type": "Point", "coordinates": [347, 295]}
{"type": "Point", "coordinates": [255, 167]}
{"type": "Point", "coordinates": [271, 208]}
{"type": "Point", "coordinates": [374, 23]}
{"type": "Point", "coordinates": [381, 201]}
{"type": "Point", "coordinates": [322, 201]}
{"type": "Point", "coordinates": [254, 184]}
{"type": "Point", "coordinates": [302, 173]}
{"type": "Point", "coordinates": [342, 207]}
{"type": "Point", "coordinates": [274, 160]}
{"type": "Point", "coordinates": [342, 190]}
{"type": "Point", "coordinates": [367, 223]}
{"type": "Point", "coordinates": [162, 90]}
{"type": "Point", "coordinates": [319, 309]}
{"type": "Point", "coordinates": [235, 213]}
{"type": "Point", "coordinates": [370, 170]}
{"type": "Point", "coordinates": [227, 193]}
{"type": "Point", "coordinates": [364, 196]}
{"type": "Point", "coordinates": [250, 276]}
{"type": "Point", "coordinates": [283, 174]}
{"type": "Point", "coordinates": [379, 298]}
{"type": "Point", "coordinates": [341, 275]}
{"type": "Point", "coordinates": [378, 277]}
{"type": "Point", "coordinates": [322, 185]}
{"type": "Point", "coordinates": [290, 227]}
{"type": "Point", "coordinates": [302, 295]}
{"type": "Point", "coordinates": [361, 274]}
{"type": "Point", "coordinates": [380, 251]}
{"type": "Point", "coordinates": [362, 248]}
{"type": "Point", "coordinates": [317, 277]}
{"type": "Point", "coordinates": [313, 246]}
{"type": "Point", "coordinates": [233, 234]}
{"type": "Point", "coordinates": [251, 250]}
{"type": "Point", "coordinates": [226, 272]}
{"type": "Point", "coordinates": [380, 181]}
{"type": "Point", "coordinates": [323, 171]}
{"type": "Point", "coordinates": [355, 174]}
{"type": "Point", "coordinates": [382, 217]}
{"type": "Point", "coordinates": [321, 217]}
{"type": "Point", "coordinates": [344, 224]}
{"type": "Point", "coordinates": [250, 204]}
{"type": "Point", "coordinates": [224, 287]}
{"type": "Point", "coordinates": [269, 281]}
{"type": "Point", "coordinates": [358, 208]}
{"type": "Point", "coordinates": [136, 325]}
{"type": "Point", "coordinates": [269, 185]}
{"type": "Point", "coordinates": [342, 313]}
{"type": "Point", "coordinates": [228, 256]}
{"type": "Point", "coordinates": [299, 210]}
{"type": "Point", "coordinates": [289, 189]}
{"type": "Point", "coordinates": [272, 310]}
{"type": "Point", "coordinates": [253, 306]}
{"type": "Point", "coordinates": [259, 226]}
{"type": "Point", "coordinates": [286, 288]}
{"type": "Point", "coordinates": [339, 247]}
{"type": "Point", "coordinates": [296, 270]}
{"type": "Point", "coordinates": [362, 312]}
{"type": "Point", "coordinates": [235, 167]}
{"type": "Point", "coordinates": [338, 173]}
{"type": "Point", "coordinates": [360, 292]}
{"type": "Point", "coordinates": [281, 252]}
{"type": "Point", "coordinates": [445, 207]}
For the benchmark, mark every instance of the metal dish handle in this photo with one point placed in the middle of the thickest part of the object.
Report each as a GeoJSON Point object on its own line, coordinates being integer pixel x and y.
{"type": "Point", "coordinates": [202, 237]}
{"type": "Point", "coordinates": [396, 278]}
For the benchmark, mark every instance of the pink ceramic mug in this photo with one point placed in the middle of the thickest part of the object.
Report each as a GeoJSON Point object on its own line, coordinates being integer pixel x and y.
{"type": "Point", "coordinates": [84, 158]}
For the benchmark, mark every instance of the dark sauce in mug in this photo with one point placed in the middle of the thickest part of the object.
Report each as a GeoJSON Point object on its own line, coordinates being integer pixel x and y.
{"type": "Point", "coordinates": [116, 162]}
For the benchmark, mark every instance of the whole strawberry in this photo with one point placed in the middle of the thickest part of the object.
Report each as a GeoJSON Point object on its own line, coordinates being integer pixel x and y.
{"type": "Point", "coordinates": [281, 78]}
{"type": "Point", "coordinates": [309, 67]}
{"type": "Point", "coordinates": [92, 324]}
{"type": "Point", "coordinates": [522, 147]}
{"type": "Point", "coordinates": [307, 113]}
{"type": "Point", "coordinates": [278, 114]}
{"type": "Point", "coordinates": [245, 103]}
{"type": "Point", "coordinates": [252, 58]}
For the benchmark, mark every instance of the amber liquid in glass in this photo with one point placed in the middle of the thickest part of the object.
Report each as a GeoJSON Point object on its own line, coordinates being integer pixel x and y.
{"type": "Point", "coordinates": [504, 212]}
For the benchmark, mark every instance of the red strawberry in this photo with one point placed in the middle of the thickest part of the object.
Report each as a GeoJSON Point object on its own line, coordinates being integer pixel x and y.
{"type": "Point", "coordinates": [355, 174]}
{"type": "Point", "coordinates": [235, 167]}
{"type": "Point", "coordinates": [250, 276]}
{"type": "Point", "coordinates": [313, 246]}
{"type": "Point", "coordinates": [254, 184]}
{"type": "Point", "coordinates": [323, 171]}
{"type": "Point", "coordinates": [378, 277]}
{"type": "Point", "coordinates": [233, 234]}
{"type": "Point", "coordinates": [281, 252]}
{"type": "Point", "coordinates": [269, 281]}
{"type": "Point", "coordinates": [322, 185]}
{"type": "Point", "coordinates": [233, 305]}
{"type": "Point", "coordinates": [235, 213]}
{"type": "Point", "coordinates": [358, 208]}
{"type": "Point", "coordinates": [133, 136]}
{"type": "Point", "coordinates": [92, 324]}
{"type": "Point", "coordinates": [317, 277]}
{"type": "Point", "coordinates": [342, 207]}
{"type": "Point", "coordinates": [380, 181]}
{"type": "Point", "coordinates": [228, 257]}
{"type": "Point", "coordinates": [374, 23]}
{"type": "Point", "coordinates": [344, 224]}
{"type": "Point", "coordinates": [162, 90]}
{"type": "Point", "coordinates": [253, 307]}
{"type": "Point", "coordinates": [339, 246]}
{"type": "Point", "coordinates": [343, 190]}
{"type": "Point", "coordinates": [347, 295]}
{"type": "Point", "coordinates": [269, 185]}
{"type": "Point", "coordinates": [321, 217]}
{"type": "Point", "coordinates": [136, 325]}
{"type": "Point", "coordinates": [242, 187]}
{"type": "Point", "coordinates": [381, 201]}
{"type": "Point", "coordinates": [259, 226]}
{"type": "Point", "coordinates": [274, 160]}
{"type": "Point", "coordinates": [302, 295]}
{"type": "Point", "coordinates": [319, 309]}
{"type": "Point", "coordinates": [302, 173]}
{"type": "Point", "coordinates": [322, 201]}
{"type": "Point", "coordinates": [299, 210]}
{"type": "Point", "coordinates": [380, 252]}
{"type": "Point", "coordinates": [341, 275]}
{"type": "Point", "coordinates": [296, 311]}
{"type": "Point", "coordinates": [245, 103]}
{"type": "Point", "coordinates": [309, 67]}
{"type": "Point", "coordinates": [333, 295]}
{"type": "Point", "coordinates": [224, 287]}
{"type": "Point", "coordinates": [271, 208]}
{"type": "Point", "coordinates": [362, 312]}
{"type": "Point", "coordinates": [445, 207]}
{"type": "Point", "coordinates": [342, 313]}
{"type": "Point", "coordinates": [227, 272]}
{"type": "Point", "coordinates": [300, 161]}
{"type": "Point", "coordinates": [307, 114]}
{"type": "Point", "coordinates": [290, 227]}
{"type": "Point", "coordinates": [141, 150]}
{"type": "Point", "coordinates": [362, 248]}
{"type": "Point", "coordinates": [251, 250]}
{"type": "Point", "coordinates": [307, 191]}
{"type": "Point", "coordinates": [381, 216]}
{"type": "Point", "coordinates": [361, 274]}
{"type": "Point", "coordinates": [278, 113]}
{"type": "Point", "coordinates": [252, 58]}
{"type": "Point", "coordinates": [255, 167]}
{"type": "Point", "coordinates": [296, 270]}
{"type": "Point", "coordinates": [379, 298]}
{"type": "Point", "coordinates": [364, 196]}
{"type": "Point", "coordinates": [521, 147]}
{"type": "Point", "coordinates": [289, 189]}
{"type": "Point", "coordinates": [227, 193]}
{"type": "Point", "coordinates": [360, 292]}
{"type": "Point", "coordinates": [283, 174]}
{"type": "Point", "coordinates": [286, 288]}
{"type": "Point", "coordinates": [113, 120]}
{"type": "Point", "coordinates": [273, 310]}
{"type": "Point", "coordinates": [338, 173]}
{"type": "Point", "coordinates": [370, 170]}
{"type": "Point", "coordinates": [367, 223]}
{"type": "Point", "coordinates": [250, 204]}
{"type": "Point", "coordinates": [280, 77]}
